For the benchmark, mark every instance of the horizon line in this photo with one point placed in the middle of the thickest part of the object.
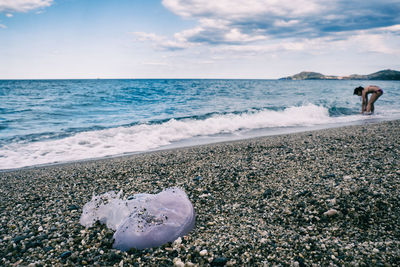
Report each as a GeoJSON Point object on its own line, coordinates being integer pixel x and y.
{"type": "Point", "coordinates": [181, 78]}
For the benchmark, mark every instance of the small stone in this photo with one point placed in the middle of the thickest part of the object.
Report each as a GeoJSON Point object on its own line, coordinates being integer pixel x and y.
{"type": "Point", "coordinates": [267, 193]}
{"type": "Point", "coordinates": [65, 254]}
{"type": "Point", "coordinates": [177, 242]}
{"type": "Point", "coordinates": [40, 229]}
{"type": "Point", "coordinates": [329, 175]}
{"type": "Point", "coordinates": [203, 253]}
{"type": "Point", "coordinates": [178, 262]}
{"type": "Point", "coordinates": [332, 201]}
{"type": "Point", "coordinates": [221, 261]}
{"type": "Point", "coordinates": [121, 263]}
{"type": "Point", "coordinates": [20, 238]}
{"type": "Point", "coordinates": [47, 249]}
{"type": "Point", "coordinates": [18, 263]}
{"type": "Point", "coordinates": [330, 212]}
{"type": "Point", "coordinates": [231, 263]}
{"type": "Point", "coordinates": [73, 207]}
{"type": "Point", "coordinates": [189, 264]}
{"type": "Point", "coordinates": [198, 178]}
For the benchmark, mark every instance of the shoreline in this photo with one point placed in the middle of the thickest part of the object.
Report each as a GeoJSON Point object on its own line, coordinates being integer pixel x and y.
{"type": "Point", "coordinates": [258, 201]}
{"type": "Point", "coordinates": [183, 144]}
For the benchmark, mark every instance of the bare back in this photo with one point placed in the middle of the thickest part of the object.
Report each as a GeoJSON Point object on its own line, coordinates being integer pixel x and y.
{"type": "Point", "coordinates": [368, 105]}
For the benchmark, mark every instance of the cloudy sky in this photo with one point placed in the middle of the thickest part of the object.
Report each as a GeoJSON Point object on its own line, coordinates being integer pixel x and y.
{"type": "Point", "coordinates": [196, 38]}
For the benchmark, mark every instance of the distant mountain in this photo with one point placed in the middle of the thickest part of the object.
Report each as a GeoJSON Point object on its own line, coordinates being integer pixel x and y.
{"type": "Point", "coordinates": [380, 75]}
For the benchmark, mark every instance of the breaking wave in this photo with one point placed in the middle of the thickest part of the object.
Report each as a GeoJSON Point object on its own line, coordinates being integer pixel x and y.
{"type": "Point", "coordinates": [144, 137]}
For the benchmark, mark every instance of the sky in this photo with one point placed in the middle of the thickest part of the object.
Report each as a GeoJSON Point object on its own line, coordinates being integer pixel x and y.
{"type": "Point", "coordinates": [255, 39]}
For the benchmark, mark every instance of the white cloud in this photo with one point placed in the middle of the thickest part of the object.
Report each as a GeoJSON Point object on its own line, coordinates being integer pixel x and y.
{"type": "Point", "coordinates": [2, 26]}
{"type": "Point", "coordinates": [144, 36]}
{"type": "Point", "coordinates": [239, 21]}
{"type": "Point", "coordinates": [285, 23]}
{"type": "Point", "coordinates": [393, 28]}
{"type": "Point", "coordinates": [162, 42]}
{"type": "Point", "coordinates": [313, 27]}
{"type": "Point", "coordinates": [23, 5]}
{"type": "Point", "coordinates": [370, 41]}
{"type": "Point", "coordinates": [244, 21]}
{"type": "Point", "coordinates": [155, 63]}
{"type": "Point", "coordinates": [234, 9]}
{"type": "Point", "coordinates": [9, 15]}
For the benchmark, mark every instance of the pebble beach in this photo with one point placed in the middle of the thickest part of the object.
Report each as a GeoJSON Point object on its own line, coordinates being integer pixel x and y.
{"type": "Point", "coordinates": [326, 197]}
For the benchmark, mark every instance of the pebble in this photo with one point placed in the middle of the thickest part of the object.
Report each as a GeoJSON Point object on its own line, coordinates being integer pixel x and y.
{"type": "Point", "coordinates": [178, 262]}
{"type": "Point", "coordinates": [331, 212]}
{"type": "Point", "coordinates": [203, 253]}
{"type": "Point", "coordinates": [347, 177]}
{"type": "Point", "coordinates": [177, 242]}
{"type": "Point", "coordinates": [221, 261]}
{"type": "Point", "coordinates": [332, 201]}
{"type": "Point", "coordinates": [65, 254]}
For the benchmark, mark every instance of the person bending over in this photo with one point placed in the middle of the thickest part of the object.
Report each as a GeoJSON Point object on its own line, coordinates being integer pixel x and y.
{"type": "Point", "coordinates": [367, 106]}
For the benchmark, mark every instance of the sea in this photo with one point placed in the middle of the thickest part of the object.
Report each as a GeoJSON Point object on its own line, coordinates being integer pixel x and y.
{"type": "Point", "coordinates": [45, 122]}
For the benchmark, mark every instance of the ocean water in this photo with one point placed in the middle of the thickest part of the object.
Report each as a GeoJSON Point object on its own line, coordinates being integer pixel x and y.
{"type": "Point", "coordinates": [55, 121]}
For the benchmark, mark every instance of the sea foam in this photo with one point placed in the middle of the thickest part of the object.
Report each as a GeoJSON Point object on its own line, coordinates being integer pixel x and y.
{"type": "Point", "coordinates": [145, 137]}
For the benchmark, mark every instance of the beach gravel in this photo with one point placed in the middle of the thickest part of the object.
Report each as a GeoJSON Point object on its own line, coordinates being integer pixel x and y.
{"type": "Point", "coordinates": [319, 198]}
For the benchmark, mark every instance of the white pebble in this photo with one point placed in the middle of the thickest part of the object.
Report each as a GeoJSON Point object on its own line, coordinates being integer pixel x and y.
{"type": "Point", "coordinates": [332, 201]}
{"type": "Point", "coordinates": [203, 252]}
{"type": "Point", "coordinates": [347, 177]}
{"type": "Point", "coordinates": [178, 262]}
{"type": "Point", "coordinates": [231, 263]}
{"type": "Point", "coordinates": [330, 212]}
{"type": "Point", "coordinates": [177, 242]}
{"type": "Point", "coordinates": [40, 228]}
